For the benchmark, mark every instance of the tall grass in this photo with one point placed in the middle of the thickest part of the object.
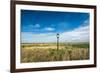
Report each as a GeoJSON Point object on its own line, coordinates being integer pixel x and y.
{"type": "Point", "coordinates": [66, 53]}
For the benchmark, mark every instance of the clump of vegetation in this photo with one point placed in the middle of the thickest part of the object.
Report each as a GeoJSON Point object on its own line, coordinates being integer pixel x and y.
{"type": "Point", "coordinates": [49, 52]}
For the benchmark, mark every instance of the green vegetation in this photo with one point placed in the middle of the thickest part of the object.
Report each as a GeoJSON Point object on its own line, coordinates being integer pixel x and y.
{"type": "Point", "coordinates": [48, 52]}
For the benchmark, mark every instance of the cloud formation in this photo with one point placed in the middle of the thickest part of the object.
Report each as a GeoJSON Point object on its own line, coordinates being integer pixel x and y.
{"type": "Point", "coordinates": [49, 29]}
{"type": "Point", "coordinates": [80, 34]}
{"type": "Point", "coordinates": [36, 26]}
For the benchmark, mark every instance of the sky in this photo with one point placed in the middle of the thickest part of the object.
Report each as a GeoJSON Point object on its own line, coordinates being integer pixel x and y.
{"type": "Point", "coordinates": [42, 26]}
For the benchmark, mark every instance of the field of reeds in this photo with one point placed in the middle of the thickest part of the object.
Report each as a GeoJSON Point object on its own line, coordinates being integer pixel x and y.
{"type": "Point", "coordinates": [43, 52]}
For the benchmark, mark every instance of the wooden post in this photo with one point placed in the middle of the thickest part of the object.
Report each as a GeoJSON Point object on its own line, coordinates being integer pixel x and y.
{"type": "Point", "coordinates": [57, 41]}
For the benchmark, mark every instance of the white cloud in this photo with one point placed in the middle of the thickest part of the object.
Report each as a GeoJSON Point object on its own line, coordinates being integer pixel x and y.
{"type": "Point", "coordinates": [49, 29]}
{"type": "Point", "coordinates": [36, 25]}
{"type": "Point", "coordinates": [37, 38]}
{"type": "Point", "coordinates": [31, 27]}
{"type": "Point", "coordinates": [80, 34]}
{"type": "Point", "coordinates": [85, 22]}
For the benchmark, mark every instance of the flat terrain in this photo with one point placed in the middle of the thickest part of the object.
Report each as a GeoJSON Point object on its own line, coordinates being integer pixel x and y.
{"type": "Point", "coordinates": [43, 52]}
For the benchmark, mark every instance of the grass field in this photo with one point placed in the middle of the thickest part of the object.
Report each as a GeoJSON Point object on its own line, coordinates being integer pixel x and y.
{"type": "Point", "coordinates": [43, 52]}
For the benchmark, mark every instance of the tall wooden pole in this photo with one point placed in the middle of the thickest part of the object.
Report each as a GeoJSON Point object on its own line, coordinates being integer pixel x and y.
{"type": "Point", "coordinates": [57, 41]}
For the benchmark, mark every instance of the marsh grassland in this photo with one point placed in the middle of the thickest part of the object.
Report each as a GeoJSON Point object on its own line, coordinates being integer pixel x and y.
{"type": "Point", "coordinates": [43, 52]}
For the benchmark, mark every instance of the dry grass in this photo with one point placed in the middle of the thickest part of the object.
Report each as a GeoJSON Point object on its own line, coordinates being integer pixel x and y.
{"type": "Point", "coordinates": [48, 52]}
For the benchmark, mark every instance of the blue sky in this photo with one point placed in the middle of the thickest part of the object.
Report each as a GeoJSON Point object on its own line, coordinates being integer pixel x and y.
{"type": "Point", "coordinates": [42, 26]}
